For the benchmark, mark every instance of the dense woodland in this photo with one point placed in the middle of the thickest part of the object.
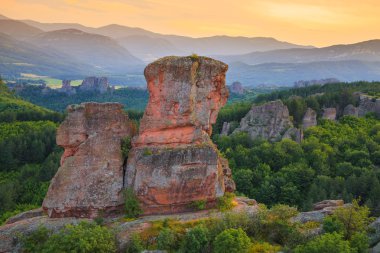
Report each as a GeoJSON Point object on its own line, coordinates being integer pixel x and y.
{"type": "Point", "coordinates": [29, 156]}
{"type": "Point", "coordinates": [335, 160]}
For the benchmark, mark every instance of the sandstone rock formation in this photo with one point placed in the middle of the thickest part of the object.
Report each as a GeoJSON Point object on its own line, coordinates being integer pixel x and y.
{"type": "Point", "coordinates": [173, 161]}
{"type": "Point", "coordinates": [328, 203]}
{"type": "Point", "coordinates": [368, 104]}
{"type": "Point", "coordinates": [329, 113]}
{"type": "Point", "coordinates": [269, 121]}
{"type": "Point", "coordinates": [309, 119]}
{"type": "Point", "coordinates": [351, 110]}
{"type": "Point", "coordinates": [90, 179]}
{"type": "Point", "coordinates": [226, 128]}
{"type": "Point", "coordinates": [92, 83]}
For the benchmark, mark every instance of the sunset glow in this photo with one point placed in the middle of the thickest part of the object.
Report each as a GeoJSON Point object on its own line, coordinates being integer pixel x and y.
{"type": "Point", "coordinates": [318, 22]}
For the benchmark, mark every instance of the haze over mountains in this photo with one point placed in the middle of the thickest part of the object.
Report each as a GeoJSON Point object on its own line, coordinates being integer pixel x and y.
{"type": "Point", "coordinates": [65, 50]}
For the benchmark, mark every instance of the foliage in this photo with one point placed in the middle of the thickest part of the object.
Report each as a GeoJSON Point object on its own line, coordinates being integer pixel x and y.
{"type": "Point", "coordinates": [132, 205]}
{"type": "Point", "coordinates": [354, 218]}
{"type": "Point", "coordinates": [225, 202]}
{"type": "Point", "coordinates": [232, 240]}
{"type": "Point", "coordinates": [335, 160]}
{"type": "Point", "coordinates": [84, 237]}
{"type": "Point", "coordinates": [126, 146]}
{"type": "Point", "coordinates": [199, 204]}
{"type": "Point", "coordinates": [196, 240]}
{"type": "Point", "coordinates": [135, 245]}
{"type": "Point", "coordinates": [263, 247]}
{"type": "Point", "coordinates": [132, 98]}
{"type": "Point", "coordinates": [326, 243]}
{"type": "Point", "coordinates": [166, 239]}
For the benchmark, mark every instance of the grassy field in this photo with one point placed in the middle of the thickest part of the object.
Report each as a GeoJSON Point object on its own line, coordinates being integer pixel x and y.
{"type": "Point", "coordinates": [50, 82]}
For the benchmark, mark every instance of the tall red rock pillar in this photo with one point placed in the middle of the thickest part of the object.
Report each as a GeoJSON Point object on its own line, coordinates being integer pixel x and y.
{"type": "Point", "coordinates": [173, 161]}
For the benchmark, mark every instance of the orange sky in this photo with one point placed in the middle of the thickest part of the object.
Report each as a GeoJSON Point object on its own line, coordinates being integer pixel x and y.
{"type": "Point", "coordinates": [317, 22]}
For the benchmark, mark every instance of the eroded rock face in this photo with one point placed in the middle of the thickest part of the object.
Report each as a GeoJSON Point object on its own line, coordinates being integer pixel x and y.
{"type": "Point", "coordinates": [93, 83]}
{"type": "Point", "coordinates": [269, 121]}
{"type": "Point", "coordinates": [90, 178]}
{"type": "Point", "coordinates": [351, 110]}
{"type": "Point", "coordinates": [226, 128]}
{"type": "Point", "coordinates": [185, 97]}
{"type": "Point", "coordinates": [309, 119]}
{"type": "Point", "coordinates": [173, 161]}
{"type": "Point", "coordinates": [329, 113]}
{"type": "Point", "coordinates": [237, 87]}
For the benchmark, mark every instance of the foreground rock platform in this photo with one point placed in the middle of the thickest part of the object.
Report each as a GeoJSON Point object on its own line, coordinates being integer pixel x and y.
{"type": "Point", "coordinates": [173, 161]}
{"type": "Point", "coordinates": [90, 179]}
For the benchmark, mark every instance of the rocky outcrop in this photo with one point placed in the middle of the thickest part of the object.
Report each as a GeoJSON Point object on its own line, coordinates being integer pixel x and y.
{"type": "Point", "coordinates": [90, 179]}
{"type": "Point", "coordinates": [351, 110]}
{"type": "Point", "coordinates": [26, 215]}
{"type": "Point", "coordinates": [329, 113]}
{"type": "Point", "coordinates": [92, 83]}
{"type": "Point", "coordinates": [10, 234]}
{"type": "Point", "coordinates": [368, 104]}
{"type": "Point", "coordinates": [330, 203]}
{"type": "Point", "coordinates": [226, 128]}
{"type": "Point", "coordinates": [309, 118]}
{"type": "Point", "coordinates": [269, 121]}
{"type": "Point", "coordinates": [67, 88]}
{"type": "Point", "coordinates": [237, 87]}
{"type": "Point", "coordinates": [173, 161]}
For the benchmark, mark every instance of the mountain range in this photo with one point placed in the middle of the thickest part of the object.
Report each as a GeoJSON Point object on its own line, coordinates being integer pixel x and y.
{"type": "Point", "coordinates": [67, 50]}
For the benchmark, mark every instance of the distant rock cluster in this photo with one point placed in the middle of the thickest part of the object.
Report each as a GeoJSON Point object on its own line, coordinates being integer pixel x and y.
{"type": "Point", "coordinates": [367, 104]}
{"type": "Point", "coordinates": [237, 87]}
{"type": "Point", "coordinates": [92, 83]}
{"type": "Point", "coordinates": [270, 121]}
{"type": "Point", "coordinates": [303, 83]}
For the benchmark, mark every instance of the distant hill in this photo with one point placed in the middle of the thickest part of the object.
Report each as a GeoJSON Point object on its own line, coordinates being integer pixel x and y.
{"type": "Point", "coordinates": [18, 29]}
{"type": "Point", "coordinates": [99, 51]}
{"type": "Point", "coordinates": [20, 57]}
{"type": "Point", "coordinates": [285, 74]}
{"type": "Point", "coordinates": [139, 41]}
{"type": "Point", "coordinates": [364, 51]}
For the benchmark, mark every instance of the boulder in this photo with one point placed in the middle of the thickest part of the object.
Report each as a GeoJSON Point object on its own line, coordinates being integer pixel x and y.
{"type": "Point", "coordinates": [26, 215]}
{"type": "Point", "coordinates": [173, 161]}
{"type": "Point", "coordinates": [329, 113]}
{"type": "Point", "coordinates": [368, 104]}
{"type": "Point", "coordinates": [90, 179]}
{"type": "Point", "coordinates": [328, 203]}
{"type": "Point", "coordinates": [374, 235]}
{"type": "Point", "coordinates": [269, 121]}
{"type": "Point", "coordinates": [351, 110]}
{"type": "Point", "coordinates": [309, 118]}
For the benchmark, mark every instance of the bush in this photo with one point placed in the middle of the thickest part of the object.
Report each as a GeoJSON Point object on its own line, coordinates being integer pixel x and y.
{"type": "Point", "coordinates": [35, 242]}
{"type": "Point", "coordinates": [84, 237]}
{"type": "Point", "coordinates": [132, 205]}
{"type": "Point", "coordinates": [166, 239]}
{"type": "Point", "coordinates": [359, 243]}
{"type": "Point", "coordinates": [355, 219]}
{"type": "Point", "coordinates": [126, 146]}
{"type": "Point", "coordinates": [135, 244]}
{"type": "Point", "coordinates": [332, 224]}
{"type": "Point", "coordinates": [226, 202]}
{"type": "Point", "coordinates": [199, 204]}
{"type": "Point", "coordinates": [232, 241]}
{"type": "Point", "coordinates": [326, 243]}
{"type": "Point", "coordinates": [263, 247]}
{"type": "Point", "coordinates": [195, 240]}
